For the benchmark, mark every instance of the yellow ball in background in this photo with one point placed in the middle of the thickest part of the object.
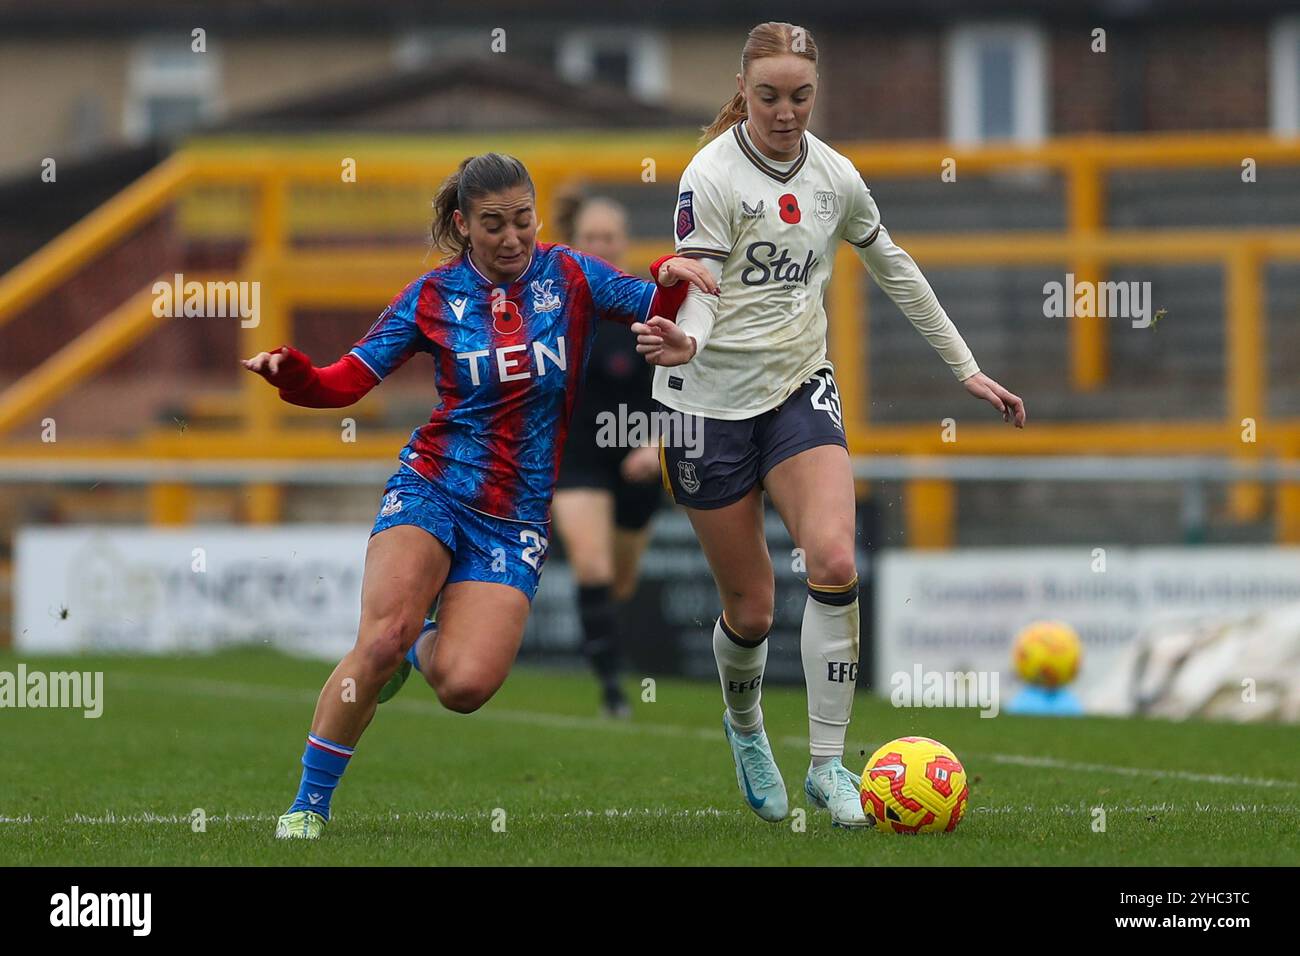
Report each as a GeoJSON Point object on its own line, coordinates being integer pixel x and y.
{"type": "Point", "coordinates": [914, 785]}
{"type": "Point", "coordinates": [1047, 653]}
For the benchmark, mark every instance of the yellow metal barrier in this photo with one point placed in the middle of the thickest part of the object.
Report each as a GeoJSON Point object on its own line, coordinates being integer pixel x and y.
{"type": "Point", "coordinates": [95, 234]}
{"type": "Point", "coordinates": [85, 355]}
{"type": "Point", "coordinates": [269, 169]}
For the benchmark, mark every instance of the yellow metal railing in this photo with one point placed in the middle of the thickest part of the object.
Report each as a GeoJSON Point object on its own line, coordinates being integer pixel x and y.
{"type": "Point", "coordinates": [366, 277]}
{"type": "Point", "coordinates": [109, 224]}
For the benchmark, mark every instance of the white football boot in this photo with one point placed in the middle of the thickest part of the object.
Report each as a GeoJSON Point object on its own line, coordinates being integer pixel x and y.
{"type": "Point", "coordinates": [835, 788]}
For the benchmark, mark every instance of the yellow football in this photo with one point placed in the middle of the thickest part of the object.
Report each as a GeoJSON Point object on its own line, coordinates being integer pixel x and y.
{"type": "Point", "coordinates": [1047, 653]}
{"type": "Point", "coordinates": [914, 785]}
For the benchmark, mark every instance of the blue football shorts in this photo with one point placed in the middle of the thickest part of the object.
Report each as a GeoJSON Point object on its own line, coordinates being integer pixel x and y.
{"type": "Point", "coordinates": [483, 547]}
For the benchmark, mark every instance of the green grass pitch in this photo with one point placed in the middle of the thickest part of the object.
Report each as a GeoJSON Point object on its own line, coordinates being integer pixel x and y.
{"type": "Point", "coordinates": [224, 734]}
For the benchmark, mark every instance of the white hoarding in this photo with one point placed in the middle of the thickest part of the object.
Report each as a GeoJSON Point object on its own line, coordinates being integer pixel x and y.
{"type": "Point", "coordinates": [199, 588]}
{"type": "Point", "coordinates": [959, 610]}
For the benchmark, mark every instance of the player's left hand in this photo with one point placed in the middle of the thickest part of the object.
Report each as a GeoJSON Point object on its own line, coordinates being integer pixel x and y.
{"type": "Point", "coordinates": [265, 364]}
{"type": "Point", "coordinates": [641, 464]}
{"type": "Point", "coordinates": [691, 270]}
{"type": "Point", "coordinates": [1010, 405]}
{"type": "Point", "coordinates": [662, 342]}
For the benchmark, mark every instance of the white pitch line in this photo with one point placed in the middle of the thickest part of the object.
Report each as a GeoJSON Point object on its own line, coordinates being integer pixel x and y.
{"type": "Point", "coordinates": [434, 816]}
{"type": "Point", "coordinates": [1055, 764]}
{"type": "Point", "coordinates": [614, 813]}
{"type": "Point", "coordinates": [567, 722]}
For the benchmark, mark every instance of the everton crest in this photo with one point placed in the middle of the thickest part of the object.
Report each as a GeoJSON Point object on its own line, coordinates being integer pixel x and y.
{"type": "Point", "coordinates": [690, 481]}
{"type": "Point", "coordinates": [824, 204]}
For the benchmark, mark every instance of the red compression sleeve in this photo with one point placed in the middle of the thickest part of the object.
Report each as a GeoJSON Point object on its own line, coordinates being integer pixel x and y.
{"type": "Point", "coordinates": [333, 386]}
{"type": "Point", "coordinates": [668, 299]}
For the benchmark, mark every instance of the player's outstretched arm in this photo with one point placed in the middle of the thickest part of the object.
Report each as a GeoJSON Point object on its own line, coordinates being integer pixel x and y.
{"type": "Point", "coordinates": [901, 279]}
{"type": "Point", "coordinates": [301, 383]}
{"type": "Point", "coordinates": [680, 284]}
{"type": "Point", "coordinates": [1009, 404]}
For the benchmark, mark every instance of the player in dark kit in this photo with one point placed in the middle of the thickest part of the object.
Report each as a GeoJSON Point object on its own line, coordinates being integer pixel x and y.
{"type": "Point", "coordinates": [607, 492]}
{"type": "Point", "coordinates": [508, 322]}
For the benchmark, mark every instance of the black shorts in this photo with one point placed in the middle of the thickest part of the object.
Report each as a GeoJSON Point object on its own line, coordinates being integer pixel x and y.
{"type": "Point", "coordinates": [587, 465]}
{"type": "Point", "coordinates": [737, 455]}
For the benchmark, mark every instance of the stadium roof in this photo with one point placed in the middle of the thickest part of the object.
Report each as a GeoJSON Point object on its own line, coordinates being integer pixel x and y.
{"type": "Point", "coordinates": [436, 97]}
{"type": "Point", "coordinates": [69, 17]}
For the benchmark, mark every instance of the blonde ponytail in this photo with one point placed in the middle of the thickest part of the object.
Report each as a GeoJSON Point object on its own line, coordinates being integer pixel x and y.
{"type": "Point", "coordinates": [732, 112]}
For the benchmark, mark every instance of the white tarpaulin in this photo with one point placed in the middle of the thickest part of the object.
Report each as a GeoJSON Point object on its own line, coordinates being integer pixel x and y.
{"type": "Point", "coordinates": [1243, 666]}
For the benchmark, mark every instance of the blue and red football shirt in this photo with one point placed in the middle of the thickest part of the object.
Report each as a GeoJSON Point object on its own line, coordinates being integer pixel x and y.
{"type": "Point", "coordinates": [509, 364]}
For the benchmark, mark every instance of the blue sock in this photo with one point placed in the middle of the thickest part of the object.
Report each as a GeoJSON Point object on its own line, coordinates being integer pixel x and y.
{"type": "Point", "coordinates": [411, 655]}
{"type": "Point", "coordinates": [323, 764]}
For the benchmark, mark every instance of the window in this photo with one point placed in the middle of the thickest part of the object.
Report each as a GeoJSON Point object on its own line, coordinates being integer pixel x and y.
{"type": "Point", "coordinates": [89, 124]}
{"type": "Point", "coordinates": [419, 49]}
{"type": "Point", "coordinates": [170, 88]}
{"type": "Point", "coordinates": [1284, 76]}
{"type": "Point", "coordinates": [631, 60]}
{"type": "Point", "coordinates": [996, 80]}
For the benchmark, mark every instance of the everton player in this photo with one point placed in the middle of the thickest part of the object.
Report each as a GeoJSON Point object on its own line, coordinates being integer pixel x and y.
{"type": "Point", "coordinates": [765, 204]}
{"type": "Point", "coordinates": [508, 322]}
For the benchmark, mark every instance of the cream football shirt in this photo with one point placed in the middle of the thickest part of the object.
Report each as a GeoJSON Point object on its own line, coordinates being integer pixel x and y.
{"type": "Point", "coordinates": [774, 228]}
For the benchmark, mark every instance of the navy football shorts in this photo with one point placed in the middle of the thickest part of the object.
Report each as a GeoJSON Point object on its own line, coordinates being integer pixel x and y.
{"type": "Point", "coordinates": [737, 455]}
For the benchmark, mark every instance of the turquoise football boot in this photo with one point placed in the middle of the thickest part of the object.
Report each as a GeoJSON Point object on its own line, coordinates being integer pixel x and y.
{"type": "Point", "coordinates": [757, 774]}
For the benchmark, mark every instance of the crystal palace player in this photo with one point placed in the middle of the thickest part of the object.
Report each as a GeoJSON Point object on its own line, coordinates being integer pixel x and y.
{"type": "Point", "coordinates": [766, 204]}
{"type": "Point", "coordinates": [509, 324]}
